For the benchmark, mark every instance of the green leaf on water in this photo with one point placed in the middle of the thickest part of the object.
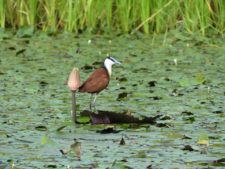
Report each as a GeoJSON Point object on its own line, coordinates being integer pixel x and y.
{"type": "Point", "coordinates": [46, 140]}
{"type": "Point", "coordinates": [204, 136]}
{"type": "Point", "coordinates": [186, 82]}
{"type": "Point", "coordinates": [3, 34]}
{"type": "Point", "coordinates": [83, 119]}
{"type": "Point", "coordinates": [200, 78]}
{"type": "Point", "coordinates": [141, 154]}
{"type": "Point", "coordinates": [119, 165]}
{"type": "Point", "coordinates": [25, 32]}
{"type": "Point", "coordinates": [203, 139]}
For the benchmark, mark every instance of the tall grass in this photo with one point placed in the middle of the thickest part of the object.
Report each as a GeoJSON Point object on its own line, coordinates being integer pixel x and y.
{"type": "Point", "coordinates": [32, 12]}
{"type": "Point", "coordinates": [70, 17]}
{"type": "Point", "coordinates": [148, 16]}
{"type": "Point", "coordinates": [10, 17]}
{"type": "Point", "coordinates": [50, 17]}
{"type": "Point", "coordinates": [108, 13]}
{"type": "Point", "coordinates": [123, 13]}
{"type": "Point", "coordinates": [2, 13]}
{"type": "Point", "coordinates": [199, 18]}
{"type": "Point", "coordinates": [218, 16]}
{"type": "Point", "coordinates": [145, 12]}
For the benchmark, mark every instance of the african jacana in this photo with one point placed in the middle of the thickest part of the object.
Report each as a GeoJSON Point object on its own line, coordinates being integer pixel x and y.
{"type": "Point", "coordinates": [98, 80]}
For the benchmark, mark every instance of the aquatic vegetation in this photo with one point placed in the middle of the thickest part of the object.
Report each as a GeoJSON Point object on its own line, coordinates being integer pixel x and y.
{"type": "Point", "coordinates": [36, 130]}
{"type": "Point", "coordinates": [97, 16]}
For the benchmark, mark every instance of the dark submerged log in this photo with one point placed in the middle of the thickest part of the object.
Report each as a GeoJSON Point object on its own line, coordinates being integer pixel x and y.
{"type": "Point", "coordinates": [109, 117]}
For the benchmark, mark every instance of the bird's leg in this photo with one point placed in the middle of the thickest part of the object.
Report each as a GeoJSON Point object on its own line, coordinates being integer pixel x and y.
{"type": "Point", "coordinates": [91, 102]}
{"type": "Point", "coordinates": [94, 101]}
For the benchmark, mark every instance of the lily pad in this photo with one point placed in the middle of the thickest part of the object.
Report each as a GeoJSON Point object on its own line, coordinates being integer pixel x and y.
{"type": "Point", "coordinates": [25, 32]}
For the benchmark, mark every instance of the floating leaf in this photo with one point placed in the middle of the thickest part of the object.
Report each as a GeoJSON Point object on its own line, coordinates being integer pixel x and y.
{"type": "Point", "coordinates": [3, 35]}
{"type": "Point", "coordinates": [141, 154]}
{"type": "Point", "coordinates": [25, 32]}
{"type": "Point", "coordinates": [200, 78]}
{"type": "Point", "coordinates": [185, 82]}
{"type": "Point", "coordinates": [119, 165]}
{"type": "Point", "coordinates": [203, 142]}
{"type": "Point", "coordinates": [46, 140]}
{"type": "Point", "coordinates": [83, 119]}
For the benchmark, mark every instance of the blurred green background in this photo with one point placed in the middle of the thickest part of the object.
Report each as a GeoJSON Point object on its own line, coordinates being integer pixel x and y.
{"type": "Point", "coordinates": [124, 16]}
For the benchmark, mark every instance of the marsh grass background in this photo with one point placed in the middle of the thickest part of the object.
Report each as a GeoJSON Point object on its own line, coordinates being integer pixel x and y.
{"type": "Point", "coordinates": [128, 16]}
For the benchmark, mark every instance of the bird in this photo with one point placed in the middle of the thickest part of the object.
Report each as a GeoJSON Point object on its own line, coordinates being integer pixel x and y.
{"type": "Point", "coordinates": [98, 80]}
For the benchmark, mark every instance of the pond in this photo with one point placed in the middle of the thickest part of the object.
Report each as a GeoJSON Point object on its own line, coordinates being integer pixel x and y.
{"type": "Point", "coordinates": [177, 75]}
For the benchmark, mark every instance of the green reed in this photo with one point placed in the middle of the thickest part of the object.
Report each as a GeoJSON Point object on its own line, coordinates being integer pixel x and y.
{"type": "Point", "coordinates": [10, 14]}
{"type": "Point", "coordinates": [49, 19]}
{"type": "Point", "coordinates": [148, 16]}
{"type": "Point", "coordinates": [123, 14]}
{"type": "Point", "coordinates": [198, 18]}
{"type": "Point", "coordinates": [218, 16]}
{"type": "Point", "coordinates": [145, 12]}
{"type": "Point", "coordinates": [2, 13]}
{"type": "Point", "coordinates": [32, 12]}
{"type": "Point", "coordinates": [69, 15]}
{"type": "Point", "coordinates": [108, 13]}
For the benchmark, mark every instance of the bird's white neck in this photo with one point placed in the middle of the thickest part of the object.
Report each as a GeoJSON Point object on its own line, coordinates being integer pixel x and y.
{"type": "Point", "coordinates": [108, 65]}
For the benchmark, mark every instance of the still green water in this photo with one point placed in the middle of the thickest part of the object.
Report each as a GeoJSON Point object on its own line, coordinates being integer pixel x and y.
{"type": "Point", "coordinates": [179, 76]}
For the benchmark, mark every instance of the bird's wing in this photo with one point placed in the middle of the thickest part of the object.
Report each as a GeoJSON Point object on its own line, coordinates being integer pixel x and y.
{"type": "Point", "coordinates": [96, 82]}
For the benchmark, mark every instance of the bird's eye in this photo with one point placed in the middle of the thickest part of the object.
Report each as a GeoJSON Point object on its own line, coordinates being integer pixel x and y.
{"type": "Point", "coordinates": [111, 58]}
